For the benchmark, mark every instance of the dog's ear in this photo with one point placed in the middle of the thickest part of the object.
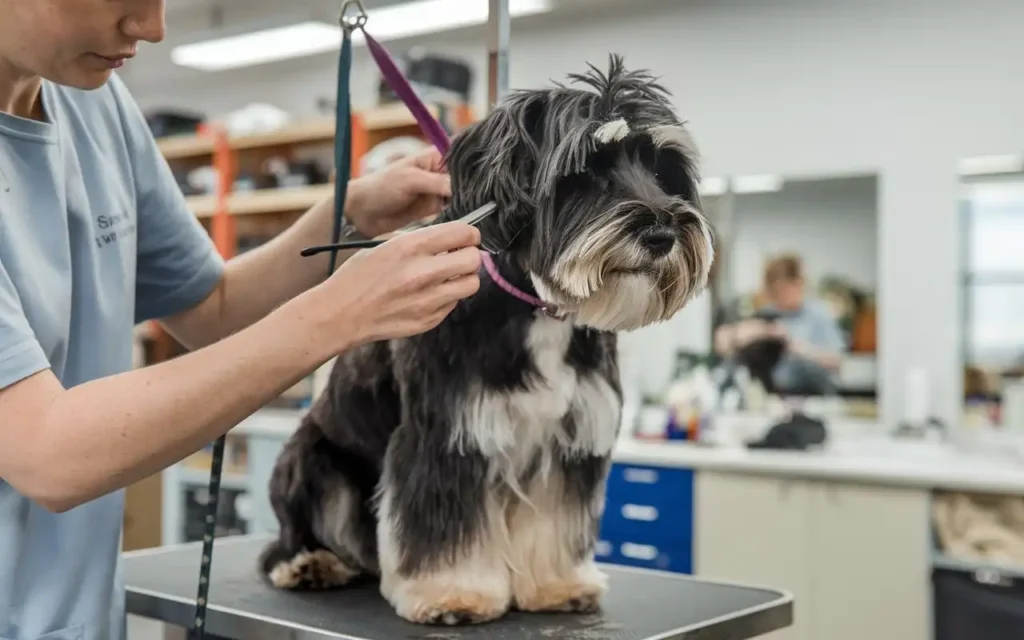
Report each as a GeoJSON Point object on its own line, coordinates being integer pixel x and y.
{"type": "Point", "coordinates": [497, 159]}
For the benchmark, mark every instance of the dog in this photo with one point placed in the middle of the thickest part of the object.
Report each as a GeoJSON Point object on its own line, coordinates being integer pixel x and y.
{"type": "Point", "coordinates": [465, 467]}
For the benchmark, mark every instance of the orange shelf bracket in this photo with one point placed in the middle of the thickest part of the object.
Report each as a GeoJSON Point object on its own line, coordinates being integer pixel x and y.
{"type": "Point", "coordinates": [224, 163]}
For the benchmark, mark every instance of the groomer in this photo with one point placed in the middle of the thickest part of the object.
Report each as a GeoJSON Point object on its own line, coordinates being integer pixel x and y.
{"type": "Point", "coordinates": [814, 341]}
{"type": "Point", "coordinates": [94, 237]}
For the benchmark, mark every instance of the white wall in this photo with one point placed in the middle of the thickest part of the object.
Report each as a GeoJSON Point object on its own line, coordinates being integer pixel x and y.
{"type": "Point", "coordinates": [832, 224]}
{"type": "Point", "coordinates": [901, 87]}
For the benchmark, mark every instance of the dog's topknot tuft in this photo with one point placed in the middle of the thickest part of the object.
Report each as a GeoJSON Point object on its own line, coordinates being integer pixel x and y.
{"type": "Point", "coordinates": [619, 85]}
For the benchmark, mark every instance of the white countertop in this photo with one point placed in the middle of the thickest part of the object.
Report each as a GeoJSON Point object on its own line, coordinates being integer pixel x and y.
{"type": "Point", "coordinates": [872, 460]}
{"type": "Point", "coordinates": [867, 458]}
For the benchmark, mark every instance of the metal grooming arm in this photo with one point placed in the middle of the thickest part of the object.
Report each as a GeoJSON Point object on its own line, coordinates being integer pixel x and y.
{"type": "Point", "coordinates": [497, 51]}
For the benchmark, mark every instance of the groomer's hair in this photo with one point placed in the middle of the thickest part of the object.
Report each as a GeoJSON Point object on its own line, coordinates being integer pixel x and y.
{"type": "Point", "coordinates": [786, 267]}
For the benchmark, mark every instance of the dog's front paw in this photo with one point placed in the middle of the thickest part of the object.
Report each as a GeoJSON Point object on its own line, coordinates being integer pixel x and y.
{"type": "Point", "coordinates": [581, 594]}
{"type": "Point", "coordinates": [450, 607]}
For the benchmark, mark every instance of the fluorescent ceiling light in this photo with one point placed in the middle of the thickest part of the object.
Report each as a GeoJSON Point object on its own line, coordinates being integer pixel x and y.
{"type": "Point", "coordinates": [757, 184]}
{"type": "Point", "coordinates": [988, 165]}
{"type": "Point", "coordinates": [712, 186]}
{"type": "Point", "coordinates": [314, 37]}
{"type": "Point", "coordinates": [259, 47]}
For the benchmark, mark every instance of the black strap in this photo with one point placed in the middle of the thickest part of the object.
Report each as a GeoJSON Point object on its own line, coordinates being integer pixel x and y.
{"type": "Point", "coordinates": [342, 137]}
{"type": "Point", "coordinates": [198, 631]}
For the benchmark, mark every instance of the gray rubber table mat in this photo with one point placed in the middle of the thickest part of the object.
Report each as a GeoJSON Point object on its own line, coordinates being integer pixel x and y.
{"type": "Point", "coordinates": [641, 605]}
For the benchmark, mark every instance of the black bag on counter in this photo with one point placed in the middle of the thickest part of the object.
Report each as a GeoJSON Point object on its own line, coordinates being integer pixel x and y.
{"type": "Point", "coordinates": [798, 433]}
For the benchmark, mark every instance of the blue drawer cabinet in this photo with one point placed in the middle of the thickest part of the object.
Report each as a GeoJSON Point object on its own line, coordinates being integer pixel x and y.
{"type": "Point", "coordinates": [674, 558]}
{"type": "Point", "coordinates": [648, 518]}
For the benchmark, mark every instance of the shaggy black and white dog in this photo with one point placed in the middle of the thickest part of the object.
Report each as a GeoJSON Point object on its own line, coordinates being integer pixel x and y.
{"type": "Point", "coordinates": [466, 466]}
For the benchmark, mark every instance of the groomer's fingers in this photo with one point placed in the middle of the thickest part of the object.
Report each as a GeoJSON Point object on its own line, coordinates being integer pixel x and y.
{"type": "Point", "coordinates": [429, 159]}
{"type": "Point", "coordinates": [450, 292]}
{"type": "Point", "coordinates": [440, 238]}
{"type": "Point", "coordinates": [442, 313]}
{"type": "Point", "coordinates": [455, 264]}
{"type": "Point", "coordinates": [430, 183]}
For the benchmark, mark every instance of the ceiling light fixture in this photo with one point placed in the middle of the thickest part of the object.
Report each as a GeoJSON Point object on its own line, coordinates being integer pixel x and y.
{"type": "Point", "coordinates": [990, 165]}
{"type": "Point", "coordinates": [757, 184]}
{"type": "Point", "coordinates": [313, 37]}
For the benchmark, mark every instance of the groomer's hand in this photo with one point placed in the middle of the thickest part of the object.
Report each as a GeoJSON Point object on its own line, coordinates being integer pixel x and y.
{"type": "Point", "coordinates": [410, 189]}
{"type": "Point", "coordinates": [407, 285]}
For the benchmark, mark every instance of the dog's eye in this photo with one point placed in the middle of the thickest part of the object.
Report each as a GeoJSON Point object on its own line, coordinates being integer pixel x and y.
{"type": "Point", "coordinates": [671, 170]}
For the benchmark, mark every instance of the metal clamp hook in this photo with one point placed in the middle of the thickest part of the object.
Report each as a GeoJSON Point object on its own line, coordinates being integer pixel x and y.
{"type": "Point", "coordinates": [357, 21]}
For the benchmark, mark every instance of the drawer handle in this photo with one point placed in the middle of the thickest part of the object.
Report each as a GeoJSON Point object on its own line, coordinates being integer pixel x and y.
{"type": "Point", "coordinates": [639, 551]}
{"type": "Point", "coordinates": [640, 476]}
{"type": "Point", "coordinates": [603, 548]}
{"type": "Point", "coordinates": [639, 512]}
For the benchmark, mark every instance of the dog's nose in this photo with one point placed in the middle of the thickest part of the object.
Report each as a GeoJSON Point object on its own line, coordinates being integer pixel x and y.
{"type": "Point", "coordinates": [658, 243]}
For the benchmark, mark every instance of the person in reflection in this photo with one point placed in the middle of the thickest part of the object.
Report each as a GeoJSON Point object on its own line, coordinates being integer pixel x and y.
{"type": "Point", "coordinates": [791, 344]}
{"type": "Point", "coordinates": [814, 342]}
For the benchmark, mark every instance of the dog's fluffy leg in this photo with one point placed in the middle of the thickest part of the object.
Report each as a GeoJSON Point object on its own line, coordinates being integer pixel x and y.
{"type": "Point", "coordinates": [322, 540]}
{"type": "Point", "coordinates": [441, 538]}
{"type": "Point", "coordinates": [553, 538]}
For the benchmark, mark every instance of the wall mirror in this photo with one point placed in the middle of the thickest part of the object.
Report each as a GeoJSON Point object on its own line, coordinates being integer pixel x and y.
{"type": "Point", "coordinates": [992, 291]}
{"type": "Point", "coordinates": [794, 311]}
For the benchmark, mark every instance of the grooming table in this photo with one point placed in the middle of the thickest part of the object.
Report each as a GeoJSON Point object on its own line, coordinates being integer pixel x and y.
{"type": "Point", "coordinates": [640, 605]}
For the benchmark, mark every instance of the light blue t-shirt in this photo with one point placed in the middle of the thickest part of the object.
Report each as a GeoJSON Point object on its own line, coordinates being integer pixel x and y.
{"type": "Point", "coordinates": [94, 237]}
{"type": "Point", "coordinates": [811, 324]}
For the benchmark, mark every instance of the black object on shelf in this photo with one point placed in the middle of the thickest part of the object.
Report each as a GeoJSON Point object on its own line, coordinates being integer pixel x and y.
{"type": "Point", "coordinates": [302, 173]}
{"type": "Point", "coordinates": [429, 72]}
{"type": "Point", "coordinates": [282, 173]}
{"type": "Point", "coordinates": [170, 122]}
{"type": "Point", "coordinates": [187, 188]}
{"type": "Point", "coordinates": [982, 605]}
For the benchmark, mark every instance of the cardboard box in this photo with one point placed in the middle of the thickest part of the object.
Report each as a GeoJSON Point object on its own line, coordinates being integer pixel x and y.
{"type": "Point", "coordinates": [143, 514]}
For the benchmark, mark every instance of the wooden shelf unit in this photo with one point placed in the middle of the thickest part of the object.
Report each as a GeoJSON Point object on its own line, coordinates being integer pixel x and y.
{"type": "Point", "coordinates": [380, 123]}
{"type": "Point", "coordinates": [261, 201]}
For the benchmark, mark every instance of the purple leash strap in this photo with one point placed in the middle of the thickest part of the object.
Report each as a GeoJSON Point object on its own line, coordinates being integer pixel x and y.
{"type": "Point", "coordinates": [431, 128]}
{"type": "Point", "coordinates": [514, 291]}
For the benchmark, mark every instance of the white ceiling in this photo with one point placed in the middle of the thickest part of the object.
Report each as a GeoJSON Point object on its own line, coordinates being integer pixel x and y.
{"type": "Point", "coordinates": [190, 20]}
{"type": "Point", "coordinates": [186, 17]}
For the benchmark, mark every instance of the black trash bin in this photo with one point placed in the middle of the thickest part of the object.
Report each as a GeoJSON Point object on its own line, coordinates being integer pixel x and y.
{"type": "Point", "coordinates": [977, 605]}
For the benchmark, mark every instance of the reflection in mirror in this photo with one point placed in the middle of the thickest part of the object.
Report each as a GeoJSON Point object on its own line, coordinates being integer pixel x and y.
{"type": "Point", "coordinates": [794, 313]}
{"type": "Point", "coordinates": [992, 298]}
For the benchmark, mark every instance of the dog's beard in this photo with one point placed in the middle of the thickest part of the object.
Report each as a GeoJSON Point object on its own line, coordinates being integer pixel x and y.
{"type": "Point", "coordinates": [610, 281]}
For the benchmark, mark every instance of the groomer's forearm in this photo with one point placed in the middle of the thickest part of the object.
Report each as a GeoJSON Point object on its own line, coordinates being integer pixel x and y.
{"type": "Point", "coordinates": [112, 432]}
{"type": "Point", "coordinates": [259, 280]}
